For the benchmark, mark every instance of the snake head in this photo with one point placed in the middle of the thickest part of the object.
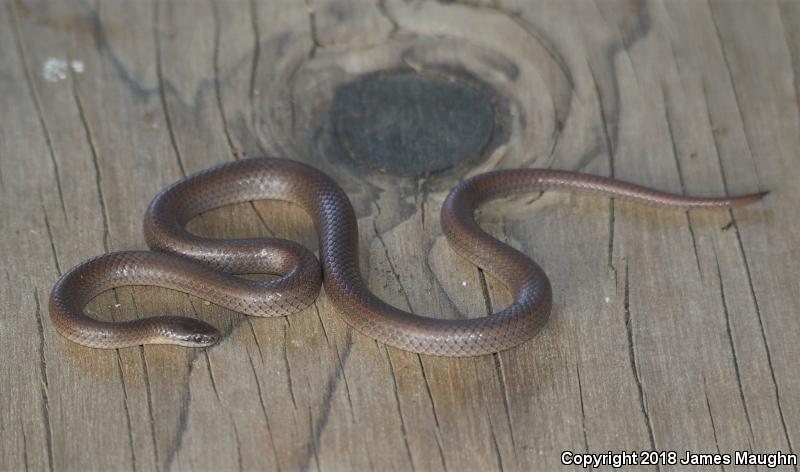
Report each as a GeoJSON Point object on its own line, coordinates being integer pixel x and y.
{"type": "Point", "coordinates": [188, 332]}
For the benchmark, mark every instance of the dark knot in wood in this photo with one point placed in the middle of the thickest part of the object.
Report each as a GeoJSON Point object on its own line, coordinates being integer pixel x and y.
{"type": "Point", "coordinates": [412, 124]}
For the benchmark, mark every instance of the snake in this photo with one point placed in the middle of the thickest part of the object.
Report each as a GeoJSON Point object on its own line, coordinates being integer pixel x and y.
{"type": "Point", "coordinates": [210, 268]}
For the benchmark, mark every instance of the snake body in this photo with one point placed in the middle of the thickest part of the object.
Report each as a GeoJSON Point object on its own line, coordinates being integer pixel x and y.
{"type": "Point", "coordinates": [204, 267]}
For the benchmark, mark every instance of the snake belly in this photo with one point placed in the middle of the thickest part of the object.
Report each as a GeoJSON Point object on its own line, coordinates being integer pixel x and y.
{"type": "Point", "coordinates": [186, 262]}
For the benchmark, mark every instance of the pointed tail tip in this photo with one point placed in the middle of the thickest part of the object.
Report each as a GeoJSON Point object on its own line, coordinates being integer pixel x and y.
{"type": "Point", "coordinates": [759, 195]}
{"type": "Point", "coordinates": [750, 198]}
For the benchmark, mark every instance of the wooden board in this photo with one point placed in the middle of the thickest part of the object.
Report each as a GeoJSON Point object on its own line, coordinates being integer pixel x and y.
{"type": "Point", "coordinates": [670, 331]}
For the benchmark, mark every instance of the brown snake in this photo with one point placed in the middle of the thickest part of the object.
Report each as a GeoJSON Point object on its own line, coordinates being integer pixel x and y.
{"type": "Point", "coordinates": [204, 267]}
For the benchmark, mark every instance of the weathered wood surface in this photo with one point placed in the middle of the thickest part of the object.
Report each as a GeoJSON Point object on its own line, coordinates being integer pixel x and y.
{"type": "Point", "coordinates": [670, 330]}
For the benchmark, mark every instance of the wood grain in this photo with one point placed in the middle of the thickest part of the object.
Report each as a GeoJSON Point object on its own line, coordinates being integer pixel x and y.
{"type": "Point", "coordinates": [671, 330]}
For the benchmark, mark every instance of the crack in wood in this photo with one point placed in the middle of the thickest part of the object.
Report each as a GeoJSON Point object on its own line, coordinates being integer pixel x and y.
{"type": "Point", "coordinates": [321, 423]}
{"type": "Point", "coordinates": [668, 119]}
{"type": "Point", "coordinates": [634, 362]}
{"type": "Point", "coordinates": [50, 236]}
{"type": "Point", "coordinates": [433, 410]}
{"type": "Point", "coordinates": [348, 345]}
{"type": "Point", "coordinates": [437, 283]}
{"type": "Point", "coordinates": [289, 378]}
{"type": "Point", "coordinates": [672, 46]}
{"type": "Point", "coordinates": [422, 188]}
{"type": "Point", "coordinates": [150, 415]}
{"type": "Point", "coordinates": [762, 330]}
{"type": "Point", "coordinates": [610, 134]}
{"type": "Point", "coordinates": [348, 341]}
{"type": "Point", "coordinates": [732, 344]}
{"type": "Point", "coordinates": [395, 274]}
{"type": "Point", "coordinates": [183, 420]}
{"type": "Point", "coordinates": [127, 409]}
{"type": "Point", "coordinates": [264, 411]}
{"type": "Point", "coordinates": [217, 86]}
{"type": "Point", "coordinates": [24, 445]}
{"type": "Point", "coordinates": [610, 145]}
{"type": "Point", "coordinates": [312, 446]}
{"type": "Point", "coordinates": [319, 318]}
{"type": "Point", "coordinates": [162, 85]}
{"type": "Point", "coordinates": [44, 383]}
{"type": "Point", "coordinates": [487, 299]}
{"type": "Point", "coordinates": [255, 338]}
{"type": "Point", "coordinates": [211, 377]}
{"type": "Point", "coordinates": [694, 245]}
{"type": "Point", "coordinates": [262, 220]}
{"type": "Point", "coordinates": [734, 89]}
{"type": "Point", "coordinates": [711, 418]}
{"type": "Point", "coordinates": [503, 383]}
{"type": "Point", "coordinates": [495, 446]}
{"type": "Point", "coordinates": [101, 199]}
{"type": "Point", "coordinates": [238, 444]}
{"type": "Point", "coordinates": [583, 409]}
{"type": "Point", "coordinates": [403, 429]}
{"type": "Point", "coordinates": [254, 64]}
